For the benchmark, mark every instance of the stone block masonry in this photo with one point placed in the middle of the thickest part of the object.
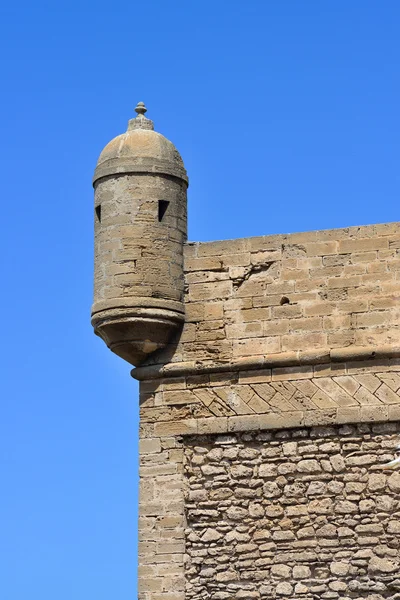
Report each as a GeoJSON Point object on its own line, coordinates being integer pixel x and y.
{"type": "Point", "coordinates": [280, 295]}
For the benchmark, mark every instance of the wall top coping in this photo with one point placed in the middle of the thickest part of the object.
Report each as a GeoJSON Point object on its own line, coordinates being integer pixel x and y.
{"type": "Point", "coordinates": [283, 359]}
{"type": "Point", "coordinates": [268, 241]}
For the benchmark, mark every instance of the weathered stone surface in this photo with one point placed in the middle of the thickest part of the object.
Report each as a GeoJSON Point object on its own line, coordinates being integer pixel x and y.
{"type": "Point", "coordinates": [284, 589]}
{"type": "Point", "coordinates": [236, 513]}
{"type": "Point", "coordinates": [211, 535]}
{"type": "Point", "coordinates": [339, 568]}
{"type": "Point", "coordinates": [394, 482]}
{"type": "Point", "coordinates": [301, 572]}
{"type": "Point", "coordinates": [308, 466]}
{"type": "Point", "coordinates": [382, 565]}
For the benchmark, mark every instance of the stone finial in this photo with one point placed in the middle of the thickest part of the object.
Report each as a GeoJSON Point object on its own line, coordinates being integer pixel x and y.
{"type": "Point", "coordinates": [141, 108]}
{"type": "Point", "coordinates": [140, 122]}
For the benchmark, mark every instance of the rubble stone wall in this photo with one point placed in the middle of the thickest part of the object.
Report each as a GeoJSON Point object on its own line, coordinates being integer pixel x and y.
{"type": "Point", "coordinates": [301, 513]}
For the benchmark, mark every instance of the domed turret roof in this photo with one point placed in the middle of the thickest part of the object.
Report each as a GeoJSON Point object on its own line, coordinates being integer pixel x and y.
{"type": "Point", "coordinates": [140, 150]}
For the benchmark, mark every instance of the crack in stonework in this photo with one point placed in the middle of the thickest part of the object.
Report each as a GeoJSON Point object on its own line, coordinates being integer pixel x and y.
{"type": "Point", "coordinates": [249, 271]}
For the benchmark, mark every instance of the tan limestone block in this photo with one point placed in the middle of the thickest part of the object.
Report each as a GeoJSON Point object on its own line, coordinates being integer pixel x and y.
{"type": "Point", "coordinates": [256, 376]}
{"type": "Point", "coordinates": [363, 245]}
{"type": "Point", "coordinates": [202, 264]}
{"type": "Point", "coordinates": [187, 427]}
{"type": "Point", "coordinates": [149, 446]}
{"type": "Point", "coordinates": [220, 248]}
{"type": "Point", "coordinates": [254, 346]}
{"type": "Point", "coordinates": [322, 248]}
{"type": "Point", "coordinates": [236, 260]}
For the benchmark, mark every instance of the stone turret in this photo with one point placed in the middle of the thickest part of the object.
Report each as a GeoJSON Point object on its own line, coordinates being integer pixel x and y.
{"type": "Point", "coordinates": [140, 186]}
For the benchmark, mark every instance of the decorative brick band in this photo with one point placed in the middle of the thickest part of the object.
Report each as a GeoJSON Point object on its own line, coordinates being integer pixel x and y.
{"type": "Point", "coordinates": [272, 399]}
{"type": "Point", "coordinates": [283, 359]}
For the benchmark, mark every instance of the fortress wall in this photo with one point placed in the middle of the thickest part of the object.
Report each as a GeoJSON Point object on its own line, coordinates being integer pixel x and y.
{"type": "Point", "coordinates": [264, 426]}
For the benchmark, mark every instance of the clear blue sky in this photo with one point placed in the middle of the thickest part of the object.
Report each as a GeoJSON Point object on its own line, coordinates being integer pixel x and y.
{"type": "Point", "coordinates": [287, 116]}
